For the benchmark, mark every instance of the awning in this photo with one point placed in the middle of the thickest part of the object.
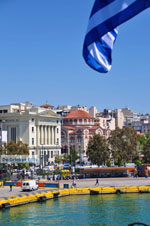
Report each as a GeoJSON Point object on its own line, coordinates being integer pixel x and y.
{"type": "Point", "coordinates": [132, 170]}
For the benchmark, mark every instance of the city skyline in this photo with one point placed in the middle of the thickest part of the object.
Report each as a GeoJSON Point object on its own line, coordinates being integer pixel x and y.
{"type": "Point", "coordinates": [41, 58]}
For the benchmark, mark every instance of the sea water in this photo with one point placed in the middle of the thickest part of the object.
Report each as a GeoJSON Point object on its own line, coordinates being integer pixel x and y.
{"type": "Point", "coordinates": [103, 210]}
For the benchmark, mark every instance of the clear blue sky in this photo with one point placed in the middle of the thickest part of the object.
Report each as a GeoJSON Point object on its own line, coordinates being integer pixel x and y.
{"type": "Point", "coordinates": [41, 57]}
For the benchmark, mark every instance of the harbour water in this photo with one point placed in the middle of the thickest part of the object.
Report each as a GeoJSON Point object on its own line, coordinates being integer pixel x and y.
{"type": "Point", "coordinates": [103, 210]}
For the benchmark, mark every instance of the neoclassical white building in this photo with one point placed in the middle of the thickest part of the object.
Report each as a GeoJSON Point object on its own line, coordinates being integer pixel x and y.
{"type": "Point", "coordinates": [39, 127]}
{"type": "Point", "coordinates": [78, 127]}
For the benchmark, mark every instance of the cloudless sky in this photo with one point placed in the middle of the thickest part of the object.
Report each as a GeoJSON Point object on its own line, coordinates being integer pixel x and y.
{"type": "Point", "coordinates": [41, 57]}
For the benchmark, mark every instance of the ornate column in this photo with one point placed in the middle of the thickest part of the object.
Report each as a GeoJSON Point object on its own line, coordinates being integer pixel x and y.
{"type": "Point", "coordinates": [42, 135]}
{"type": "Point", "coordinates": [48, 135]}
{"type": "Point", "coordinates": [54, 135]}
{"type": "Point", "coordinates": [45, 138]}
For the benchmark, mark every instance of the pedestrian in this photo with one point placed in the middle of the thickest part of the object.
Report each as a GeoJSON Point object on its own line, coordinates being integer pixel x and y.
{"type": "Point", "coordinates": [74, 183]}
{"type": "Point", "coordinates": [10, 187]}
{"type": "Point", "coordinates": [97, 182]}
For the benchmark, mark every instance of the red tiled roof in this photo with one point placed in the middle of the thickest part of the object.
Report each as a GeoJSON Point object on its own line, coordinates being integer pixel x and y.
{"type": "Point", "coordinates": [94, 127]}
{"type": "Point", "coordinates": [68, 127]}
{"type": "Point", "coordinates": [82, 127]}
{"type": "Point", "coordinates": [78, 114]}
{"type": "Point", "coordinates": [47, 106]}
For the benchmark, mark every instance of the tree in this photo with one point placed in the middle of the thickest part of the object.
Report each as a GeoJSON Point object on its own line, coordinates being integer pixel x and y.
{"type": "Point", "coordinates": [58, 159]}
{"type": "Point", "coordinates": [124, 144]}
{"type": "Point", "coordinates": [97, 151]}
{"type": "Point", "coordinates": [73, 156]}
{"type": "Point", "coordinates": [65, 158]}
{"type": "Point", "coordinates": [12, 148]}
{"type": "Point", "coordinates": [146, 151]}
{"type": "Point", "coordinates": [142, 140]}
{"type": "Point", "coordinates": [3, 149]}
{"type": "Point", "coordinates": [18, 148]}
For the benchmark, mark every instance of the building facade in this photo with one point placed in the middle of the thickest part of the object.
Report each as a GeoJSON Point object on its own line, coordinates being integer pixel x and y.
{"type": "Point", "coordinates": [38, 127]}
{"type": "Point", "coordinates": [78, 127]}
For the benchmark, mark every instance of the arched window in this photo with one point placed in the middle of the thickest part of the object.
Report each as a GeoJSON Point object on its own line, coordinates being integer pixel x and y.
{"type": "Point", "coordinates": [80, 120]}
{"type": "Point", "coordinates": [79, 139]}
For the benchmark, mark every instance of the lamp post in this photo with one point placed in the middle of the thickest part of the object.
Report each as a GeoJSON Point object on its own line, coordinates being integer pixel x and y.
{"type": "Point", "coordinates": [1, 133]}
{"type": "Point", "coordinates": [80, 154]}
{"type": "Point", "coordinates": [41, 157]}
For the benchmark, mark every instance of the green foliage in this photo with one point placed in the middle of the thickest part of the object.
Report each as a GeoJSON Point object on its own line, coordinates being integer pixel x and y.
{"type": "Point", "coordinates": [14, 149]}
{"type": "Point", "coordinates": [137, 162]}
{"type": "Point", "coordinates": [58, 159]}
{"type": "Point", "coordinates": [56, 171]}
{"type": "Point", "coordinates": [119, 162]}
{"type": "Point", "coordinates": [3, 149]}
{"type": "Point", "coordinates": [124, 144]}
{"type": "Point", "coordinates": [108, 163]}
{"type": "Point", "coordinates": [5, 179]}
{"type": "Point", "coordinates": [18, 148]}
{"type": "Point", "coordinates": [97, 151]}
{"type": "Point", "coordinates": [142, 141]}
{"type": "Point", "coordinates": [65, 158]}
{"type": "Point", "coordinates": [73, 156]}
{"type": "Point", "coordinates": [23, 166]}
{"type": "Point", "coordinates": [146, 151]}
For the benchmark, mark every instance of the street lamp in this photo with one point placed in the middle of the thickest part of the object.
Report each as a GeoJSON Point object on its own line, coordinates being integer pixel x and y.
{"type": "Point", "coordinates": [41, 157]}
{"type": "Point", "coordinates": [80, 154]}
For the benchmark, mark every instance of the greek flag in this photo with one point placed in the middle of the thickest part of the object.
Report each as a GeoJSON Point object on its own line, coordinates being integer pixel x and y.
{"type": "Point", "coordinates": [102, 30]}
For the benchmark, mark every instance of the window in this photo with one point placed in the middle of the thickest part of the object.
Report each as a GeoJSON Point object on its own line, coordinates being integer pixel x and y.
{"type": "Point", "coordinates": [79, 139]}
{"type": "Point", "coordinates": [56, 153]}
{"type": "Point", "coordinates": [13, 134]}
{"type": "Point", "coordinates": [32, 152]}
{"type": "Point", "coordinates": [32, 119]}
{"type": "Point", "coordinates": [71, 140]}
{"type": "Point", "coordinates": [32, 141]}
{"type": "Point", "coordinates": [32, 129]}
{"type": "Point", "coordinates": [0, 111]}
{"type": "Point", "coordinates": [57, 130]}
{"type": "Point", "coordinates": [57, 141]}
{"type": "Point", "coordinates": [51, 154]}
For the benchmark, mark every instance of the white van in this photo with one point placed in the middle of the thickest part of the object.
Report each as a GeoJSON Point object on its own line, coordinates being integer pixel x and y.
{"type": "Point", "coordinates": [30, 185]}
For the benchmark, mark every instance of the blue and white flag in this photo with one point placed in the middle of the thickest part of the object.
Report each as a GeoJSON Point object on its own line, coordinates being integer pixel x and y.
{"type": "Point", "coordinates": [102, 30]}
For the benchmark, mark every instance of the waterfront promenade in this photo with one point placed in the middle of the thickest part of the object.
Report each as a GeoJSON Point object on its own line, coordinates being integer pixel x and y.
{"type": "Point", "coordinates": [82, 183]}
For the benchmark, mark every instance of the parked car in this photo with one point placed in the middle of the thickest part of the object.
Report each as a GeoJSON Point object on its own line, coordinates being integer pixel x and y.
{"type": "Point", "coordinates": [30, 185]}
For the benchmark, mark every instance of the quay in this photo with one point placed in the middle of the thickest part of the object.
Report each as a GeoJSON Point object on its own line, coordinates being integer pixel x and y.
{"type": "Point", "coordinates": [84, 187]}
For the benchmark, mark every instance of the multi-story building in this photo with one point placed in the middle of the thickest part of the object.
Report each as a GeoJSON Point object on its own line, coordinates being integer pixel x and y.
{"type": "Point", "coordinates": [119, 118]}
{"type": "Point", "coordinates": [78, 127]}
{"type": "Point", "coordinates": [142, 125]}
{"type": "Point", "coordinates": [39, 127]}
